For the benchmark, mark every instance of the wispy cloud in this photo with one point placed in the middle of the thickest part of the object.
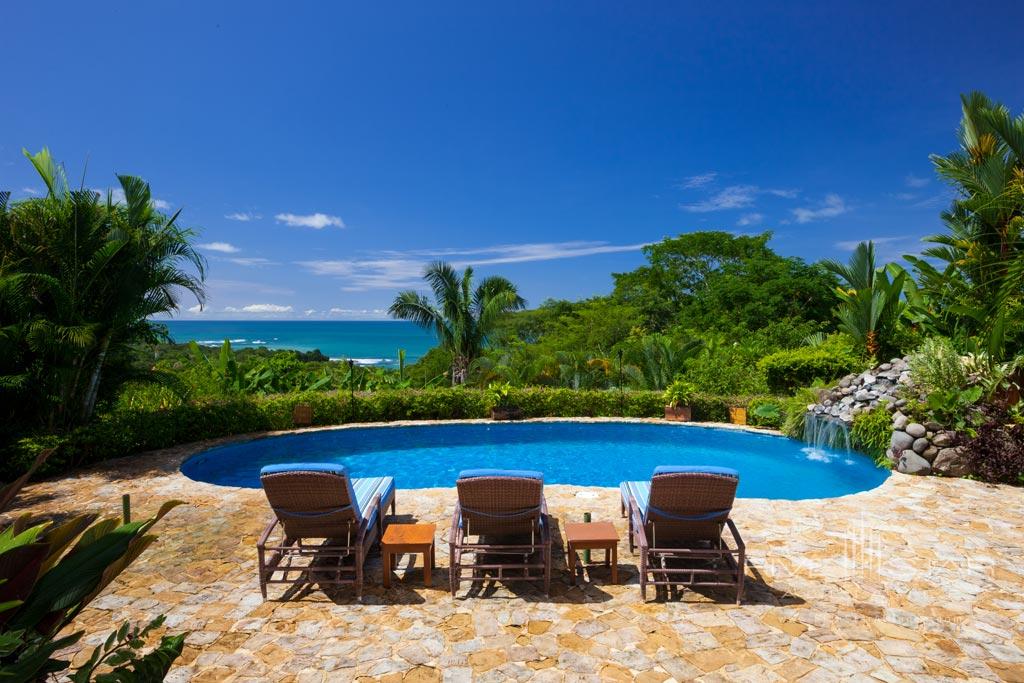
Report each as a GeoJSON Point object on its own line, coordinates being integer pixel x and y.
{"type": "Point", "coordinates": [935, 201]}
{"type": "Point", "coordinates": [750, 219]}
{"type": "Point", "coordinates": [275, 309]}
{"type": "Point", "coordinates": [309, 311]}
{"type": "Point", "coordinates": [699, 180]}
{"type": "Point", "coordinates": [244, 216]}
{"type": "Point", "coordinates": [251, 261]}
{"type": "Point", "coordinates": [195, 309]}
{"type": "Point", "coordinates": [357, 311]}
{"type": "Point", "coordinates": [732, 197]}
{"type": "Point", "coordinates": [317, 221]}
{"type": "Point", "coordinates": [832, 206]}
{"type": "Point", "coordinates": [390, 269]}
{"type": "Point", "coordinates": [888, 248]}
{"type": "Point", "coordinates": [915, 181]}
{"type": "Point", "coordinates": [736, 197]}
{"type": "Point", "coordinates": [116, 194]}
{"type": "Point", "coordinates": [222, 247]}
{"type": "Point", "coordinates": [30, 190]}
{"type": "Point", "coordinates": [160, 204]}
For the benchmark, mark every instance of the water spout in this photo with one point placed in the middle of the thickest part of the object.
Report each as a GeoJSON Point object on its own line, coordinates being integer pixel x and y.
{"type": "Point", "coordinates": [826, 432]}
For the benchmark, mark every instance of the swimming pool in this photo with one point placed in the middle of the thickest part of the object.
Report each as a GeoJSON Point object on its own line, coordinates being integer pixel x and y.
{"type": "Point", "coordinates": [580, 453]}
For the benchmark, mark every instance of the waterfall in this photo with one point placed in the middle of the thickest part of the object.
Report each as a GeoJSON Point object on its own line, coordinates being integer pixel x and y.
{"type": "Point", "coordinates": [826, 432]}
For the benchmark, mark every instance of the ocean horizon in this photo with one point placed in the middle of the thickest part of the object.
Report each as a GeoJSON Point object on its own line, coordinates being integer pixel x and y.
{"type": "Point", "coordinates": [367, 342]}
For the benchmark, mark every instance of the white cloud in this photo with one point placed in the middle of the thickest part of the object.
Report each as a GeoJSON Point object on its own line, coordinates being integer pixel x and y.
{"type": "Point", "coordinates": [259, 308]}
{"type": "Point", "coordinates": [732, 197]}
{"type": "Point", "coordinates": [357, 311]}
{"type": "Point", "coordinates": [309, 311]}
{"type": "Point", "coordinates": [832, 206]}
{"type": "Point", "coordinates": [317, 221]}
{"type": "Point", "coordinates": [391, 269]}
{"type": "Point", "coordinates": [251, 261]}
{"type": "Point", "coordinates": [195, 309]}
{"type": "Point", "coordinates": [784, 193]}
{"type": "Point", "coordinates": [244, 216]}
{"type": "Point", "coordinates": [915, 181]}
{"type": "Point", "coordinates": [116, 194]}
{"type": "Point", "coordinates": [222, 247]}
{"type": "Point", "coordinates": [750, 219]}
{"type": "Point", "coordinates": [699, 180]}
{"type": "Point", "coordinates": [30, 190]}
{"type": "Point", "coordinates": [160, 204]}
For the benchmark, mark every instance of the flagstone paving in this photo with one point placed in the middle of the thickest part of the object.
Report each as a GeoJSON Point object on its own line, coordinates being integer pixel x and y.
{"type": "Point", "coordinates": [919, 579]}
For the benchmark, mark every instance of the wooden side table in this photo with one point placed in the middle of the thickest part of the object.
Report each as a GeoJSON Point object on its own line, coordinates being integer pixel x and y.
{"type": "Point", "coordinates": [593, 536]}
{"type": "Point", "coordinates": [401, 539]}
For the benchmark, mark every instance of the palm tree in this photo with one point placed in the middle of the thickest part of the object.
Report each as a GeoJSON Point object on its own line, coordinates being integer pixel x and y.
{"type": "Point", "coordinates": [462, 318]}
{"type": "Point", "coordinates": [84, 276]}
{"type": "Point", "coordinates": [869, 304]}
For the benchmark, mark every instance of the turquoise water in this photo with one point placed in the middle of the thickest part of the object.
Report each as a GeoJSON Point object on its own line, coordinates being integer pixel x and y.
{"type": "Point", "coordinates": [585, 454]}
{"type": "Point", "coordinates": [368, 342]}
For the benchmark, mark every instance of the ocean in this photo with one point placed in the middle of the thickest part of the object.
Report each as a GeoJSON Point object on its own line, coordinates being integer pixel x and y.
{"type": "Point", "coordinates": [367, 342]}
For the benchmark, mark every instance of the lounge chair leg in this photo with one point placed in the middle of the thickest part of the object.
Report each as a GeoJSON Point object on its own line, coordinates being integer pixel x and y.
{"type": "Point", "coordinates": [452, 569]}
{"type": "Point", "coordinates": [643, 576]}
{"type": "Point", "coordinates": [741, 577]}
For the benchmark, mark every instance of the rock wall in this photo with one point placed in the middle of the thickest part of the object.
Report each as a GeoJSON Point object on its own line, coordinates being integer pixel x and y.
{"type": "Point", "coordinates": [915, 448]}
{"type": "Point", "coordinates": [858, 393]}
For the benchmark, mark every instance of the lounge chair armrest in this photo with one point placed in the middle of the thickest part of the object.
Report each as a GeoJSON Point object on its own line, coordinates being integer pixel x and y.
{"type": "Point", "coordinates": [736, 535]}
{"type": "Point", "coordinates": [265, 536]}
{"type": "Point", "coordinates": [639, 528]}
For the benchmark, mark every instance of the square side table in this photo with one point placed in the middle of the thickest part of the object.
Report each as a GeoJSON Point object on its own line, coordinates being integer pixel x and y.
{"type": "Point", "coordinates": [401, 539]}
{"type": "Point", "coordinates": [593, 536]}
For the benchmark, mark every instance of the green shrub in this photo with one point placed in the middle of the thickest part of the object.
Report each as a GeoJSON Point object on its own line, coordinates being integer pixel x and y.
{"type": "Point", "coordinates": [936, 364]}
{"type": "Point", "coordinates": [123, 432]}
{"type": "Point", "coordinates": [794, 411]}
{"type": "Point", "coordinates": [787, 370]}
{"type": "Point", "coordinates": [679, 393]}
{"type": "Point", "coordinates": [871, 434]}
{"type": "Point", "coordinates": [765, 411]}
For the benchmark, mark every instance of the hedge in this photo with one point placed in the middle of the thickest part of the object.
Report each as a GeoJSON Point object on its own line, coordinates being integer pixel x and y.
{"type": "Point", "coordinates": [788, 370]}
{"type": "Point", "coordinates": [125, 432]}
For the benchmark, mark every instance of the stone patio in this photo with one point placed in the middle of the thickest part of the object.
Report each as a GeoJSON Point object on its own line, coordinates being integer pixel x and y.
{"type": "Point", "coordinates": [919, 579]}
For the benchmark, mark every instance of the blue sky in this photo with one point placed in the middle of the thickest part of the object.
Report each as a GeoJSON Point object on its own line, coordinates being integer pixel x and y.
{"type": "Point", "coordinates": [327, 152]}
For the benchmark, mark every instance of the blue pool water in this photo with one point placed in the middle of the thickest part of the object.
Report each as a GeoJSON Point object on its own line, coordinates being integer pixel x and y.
{"type": "Point", "coordinates": [585, 454]}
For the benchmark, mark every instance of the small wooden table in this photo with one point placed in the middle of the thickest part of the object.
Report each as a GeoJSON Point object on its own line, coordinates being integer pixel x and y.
{"type": "Point", "coordinates": [400, 539]}
{"type": "Point", "coordinates": [593, 536]}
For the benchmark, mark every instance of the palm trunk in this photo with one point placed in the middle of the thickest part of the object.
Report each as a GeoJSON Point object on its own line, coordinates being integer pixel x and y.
{"type": "Point", "coordinates": [89, 404]}
{"type": "Point", "coordinates": [460, 370]}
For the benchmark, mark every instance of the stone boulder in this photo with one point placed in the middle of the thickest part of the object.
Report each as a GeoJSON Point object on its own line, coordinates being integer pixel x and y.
{"type": "Point", "coordinates": [910, 462]}
{"type": "Point", "coordinates": [901, 441]}
{"type": "Point", "coordinates": [921, 445]}
{"type": "Point", "coordinates": [943, 439]}
{"type": "Point", "coordinates": [915, 429]}
{"type": "Point", "coordinates": [899, 421]}
{"type": "Point", "coordinates": [952, 462]}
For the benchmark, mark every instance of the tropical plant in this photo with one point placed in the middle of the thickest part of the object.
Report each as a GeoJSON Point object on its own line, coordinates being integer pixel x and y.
{"type": "Point", "coordinates": [80, 278]}
{"type": "Point", "coordinates": [49, 572]}
{"type": "Point", "coordinates": [871, 434]}
{"type": "Point", "coordinates": [870, 302]}
{"type": "Point", "coordinates": [500, 395]}
{"type": "Point", "coordinates": [937, 365]}
{"type": "Point", "coordinates": [462, 317]}
{"type": "Point", "coordinates": [662, 358]}
{"type": "Point", "coordinates": [971, 282]}
{"type": "Point", "coordinates": [679, 393]}
{"type": "Point", "coordinates": [766, 412]}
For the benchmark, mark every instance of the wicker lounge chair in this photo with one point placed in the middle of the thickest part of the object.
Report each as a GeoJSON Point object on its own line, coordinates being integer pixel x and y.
{"type": "Point", "coordinates": [319, 502]}
{"type": "Point", "coordinates": [677, 521]}
{"type": "Point", "coordinates": [505, 512]}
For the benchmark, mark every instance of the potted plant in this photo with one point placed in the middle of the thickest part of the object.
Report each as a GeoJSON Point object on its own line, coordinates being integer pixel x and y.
{"type": "Point", "coordinates": [677, 401]}
{"type": "Point", "coordinates": [501, 403]}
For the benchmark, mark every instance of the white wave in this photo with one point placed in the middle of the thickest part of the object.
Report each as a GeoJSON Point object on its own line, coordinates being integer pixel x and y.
{"type": "Point", "coordinates": [818, 455]}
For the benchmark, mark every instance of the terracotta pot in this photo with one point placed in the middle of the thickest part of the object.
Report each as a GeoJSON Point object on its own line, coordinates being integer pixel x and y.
{"type": "Point", "coordinates": [507, 413]}
{"type": "Point", "coordinates": [738, 416]}
{"type": "Point", "coordinates": [302, 415]}
{"type": "Point", "coordinates": [678, 413]}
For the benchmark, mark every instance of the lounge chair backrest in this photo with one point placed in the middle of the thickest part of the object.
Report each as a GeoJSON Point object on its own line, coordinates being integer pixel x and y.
{"type": "Point", "coordinates": [312, 500]}
{"type": "Point", "coordinates": [690, 503]}
{"type": "Point", "coordinates": [500, 501]}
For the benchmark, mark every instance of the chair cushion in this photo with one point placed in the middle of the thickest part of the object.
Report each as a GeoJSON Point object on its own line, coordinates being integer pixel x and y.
{"type": "Point", "coordinates": [697, 469]}
{"type": "Point", "coordinates": [367, 487]}
{"type": "Point", "coordinates": [640, 491]}
{"type": "Point", "coordinates": [523, 474]}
